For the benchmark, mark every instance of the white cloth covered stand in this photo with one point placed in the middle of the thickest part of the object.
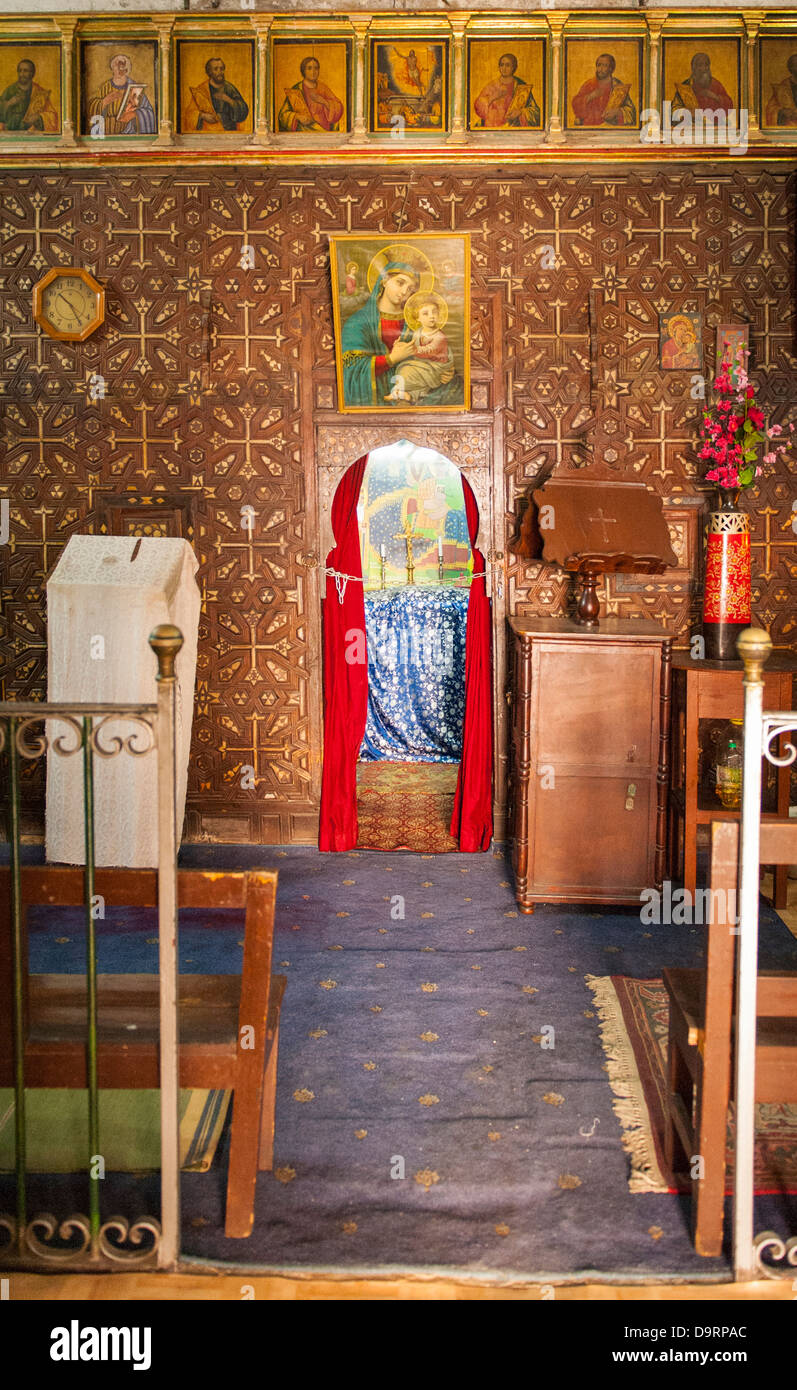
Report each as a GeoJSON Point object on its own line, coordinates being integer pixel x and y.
{"type": "Point", "coordinates": [104, 598]}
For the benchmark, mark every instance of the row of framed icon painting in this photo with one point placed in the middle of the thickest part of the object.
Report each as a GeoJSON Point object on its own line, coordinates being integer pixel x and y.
{"type": "Point", "coordinates": [408, 84]}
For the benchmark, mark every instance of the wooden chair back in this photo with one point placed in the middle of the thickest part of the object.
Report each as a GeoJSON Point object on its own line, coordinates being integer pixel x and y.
{"type": "Point", "coordinates": [213, 1010]}
{"type": "Point", "coordinates": [62, 886]}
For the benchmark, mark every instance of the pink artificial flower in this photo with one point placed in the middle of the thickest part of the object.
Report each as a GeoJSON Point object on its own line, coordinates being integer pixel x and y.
{"type": "Point", "coordinates": [770, 458]}
{"type": "Point", "coordinates": [774, 430]}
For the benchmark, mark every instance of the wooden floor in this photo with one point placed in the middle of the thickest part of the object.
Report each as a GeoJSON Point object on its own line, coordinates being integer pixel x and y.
{"type": "Point", "coordinates": [197, 1287]}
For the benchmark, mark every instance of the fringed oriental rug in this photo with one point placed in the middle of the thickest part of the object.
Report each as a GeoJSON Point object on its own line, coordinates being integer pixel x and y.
{"type": "Point", "coordinates": [634, 1018]}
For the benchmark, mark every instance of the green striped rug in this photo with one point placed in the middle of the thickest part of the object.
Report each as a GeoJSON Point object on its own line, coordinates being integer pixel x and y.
{"type": "Point", "coordinates": [56, 1123]}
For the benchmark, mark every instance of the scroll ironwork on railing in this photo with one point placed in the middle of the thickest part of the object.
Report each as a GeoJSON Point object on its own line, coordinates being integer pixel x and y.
{"type": "Point", "coordinates": [769, 1243]}
{"type": "Point", "coordinates": [80, 1241]}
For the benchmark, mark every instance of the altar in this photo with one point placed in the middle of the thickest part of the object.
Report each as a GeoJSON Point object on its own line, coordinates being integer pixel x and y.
{"type": "Point", "coordinates": [415, 636]}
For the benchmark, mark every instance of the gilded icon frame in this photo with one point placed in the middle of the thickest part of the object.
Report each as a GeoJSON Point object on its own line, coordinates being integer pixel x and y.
{"type": "Point", "coordinates": [713, 45]}
{"type": "Point", "coordinates": [281, 46]}
{"type": "Point", "coordinates": [117, 45]}
{"type": "Point", "coordinates": [398, 112]}
{"type": "Point", "coordinates": [634, 93]}
{"type": "Point", "coordinates": [439, 264]}
{"type": "Point", "coordinates": [56, 107]}
{"type": "Point", "coordinates": [692, 359]}
{"type": "Point", "coordinates": [767, 44]}
{"type": "Point", "coordinates": [535, 52]}
{"type": "Point", "coordinates": [221, 46]}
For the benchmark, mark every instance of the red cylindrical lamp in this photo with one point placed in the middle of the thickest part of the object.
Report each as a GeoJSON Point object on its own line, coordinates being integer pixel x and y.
{"type": "Point", "coordinates": [726, 593]}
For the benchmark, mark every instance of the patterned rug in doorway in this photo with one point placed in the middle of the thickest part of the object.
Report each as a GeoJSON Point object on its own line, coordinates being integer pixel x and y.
{"type": "Point", "coordinates": [406, 806]}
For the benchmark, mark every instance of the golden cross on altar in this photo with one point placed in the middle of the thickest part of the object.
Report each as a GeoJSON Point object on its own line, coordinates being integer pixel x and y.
{"type": "Point", "coordinates": [406, 535]}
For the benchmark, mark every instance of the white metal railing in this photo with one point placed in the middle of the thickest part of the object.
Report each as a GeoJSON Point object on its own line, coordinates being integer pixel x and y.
{"type": "Point", "coordinates": [77, 1241]}
{"type": "Point", "coordinates": [761, 731]}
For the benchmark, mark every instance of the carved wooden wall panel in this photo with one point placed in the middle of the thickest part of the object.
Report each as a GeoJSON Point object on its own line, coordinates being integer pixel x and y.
{"type": "Point", "coordinates": [211, 387]}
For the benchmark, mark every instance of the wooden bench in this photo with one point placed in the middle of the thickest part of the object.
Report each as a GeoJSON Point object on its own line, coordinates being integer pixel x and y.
{"type": "Point", "coordinates": [700, 1046]}
{"type": "Point", "coordinates": [213, 1009]}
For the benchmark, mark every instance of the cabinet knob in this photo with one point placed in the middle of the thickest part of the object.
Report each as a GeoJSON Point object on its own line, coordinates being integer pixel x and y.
{"type": "Point", "coordinates": [508, 696]}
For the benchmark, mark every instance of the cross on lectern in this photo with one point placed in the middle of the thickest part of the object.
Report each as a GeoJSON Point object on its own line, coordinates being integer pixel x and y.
{"type": "Point", "coordinates": [604, 520]}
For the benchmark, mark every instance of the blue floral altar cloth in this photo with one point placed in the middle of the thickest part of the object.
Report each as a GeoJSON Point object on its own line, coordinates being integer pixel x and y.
{"type": "Point", "coordinates": [416, 673]}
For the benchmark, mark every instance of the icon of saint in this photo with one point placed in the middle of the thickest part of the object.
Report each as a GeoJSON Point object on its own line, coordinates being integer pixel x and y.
{"type": "Point", "coordinates": [507, 101]}
{"type": "Point", "coordinates": [700, 91]}
{"type": "Point", "coordinates": [680, 350]}
{"type": "Point", "coordinates": [309, 104]}
{"type": "Point", "coordinates": [604, 99]}
{"type": "Point", "coordinates": [215, 105]}
{"type": "Point", "coordinates": [123, 103]}
{"type": "Point", "coordinates": [782, 105]}
{"type": "Point", "coordinates": [25, 105]}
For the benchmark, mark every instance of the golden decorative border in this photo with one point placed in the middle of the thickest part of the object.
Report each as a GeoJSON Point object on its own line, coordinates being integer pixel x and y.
{"type": "Point", "coordinates": [264, 145]}
{"type": "Point", "coordinates": [412, 238]}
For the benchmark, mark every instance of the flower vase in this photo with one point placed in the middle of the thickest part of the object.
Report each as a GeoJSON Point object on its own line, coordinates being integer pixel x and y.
{"type": "Point", "coordinates": [726, 591]}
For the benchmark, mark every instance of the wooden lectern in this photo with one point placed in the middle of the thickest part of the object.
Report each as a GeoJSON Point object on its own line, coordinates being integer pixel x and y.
{"type": "Point", "coordinates": [595, 525]}
{"type": "Point", "coordinates": [590, 747]}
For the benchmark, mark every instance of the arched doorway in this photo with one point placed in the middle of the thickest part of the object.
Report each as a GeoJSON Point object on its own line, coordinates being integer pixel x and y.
{"type": "Point", "coordinates": [346, 680]}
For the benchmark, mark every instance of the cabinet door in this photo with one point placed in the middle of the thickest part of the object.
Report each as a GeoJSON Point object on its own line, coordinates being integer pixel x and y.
{"type": "Point", "coordinates": [593, 835]}
{"type": "Point", "coordinates": [596, 706]}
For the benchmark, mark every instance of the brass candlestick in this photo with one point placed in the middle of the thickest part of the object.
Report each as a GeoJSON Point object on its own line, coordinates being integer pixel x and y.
{"type": "Point", "coordinates": [406, 535]}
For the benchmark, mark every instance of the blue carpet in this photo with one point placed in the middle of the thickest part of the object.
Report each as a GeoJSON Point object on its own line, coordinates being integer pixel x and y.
{"type": "Point", "coordinates": [414, 1046]}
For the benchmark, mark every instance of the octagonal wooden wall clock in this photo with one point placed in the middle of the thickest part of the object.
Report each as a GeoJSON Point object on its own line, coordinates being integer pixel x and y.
{"type": "Point", "coordinates": [68, 303]}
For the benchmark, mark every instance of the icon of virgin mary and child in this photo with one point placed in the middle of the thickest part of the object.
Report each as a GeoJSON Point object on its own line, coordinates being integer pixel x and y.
{"type": "Point", "coordinates": [395, 350]}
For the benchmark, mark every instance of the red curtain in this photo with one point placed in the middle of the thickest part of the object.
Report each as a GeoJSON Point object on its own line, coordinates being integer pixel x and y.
{"type": "Point", "coordinates": [472, 821]}
{"type": "Point", "coordinates": [345, 671]}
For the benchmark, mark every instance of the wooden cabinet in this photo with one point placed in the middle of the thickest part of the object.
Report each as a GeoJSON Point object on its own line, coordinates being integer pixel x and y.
{"type": "Point", "coordinates": [589, 759]}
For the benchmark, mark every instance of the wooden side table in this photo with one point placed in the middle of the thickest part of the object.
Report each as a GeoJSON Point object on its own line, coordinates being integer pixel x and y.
{"type": "Point", "coordinates": [713, 690]}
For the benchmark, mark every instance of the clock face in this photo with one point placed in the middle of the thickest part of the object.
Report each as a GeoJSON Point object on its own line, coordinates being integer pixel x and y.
{"type": "Point", "coordinates": [69, 304]}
